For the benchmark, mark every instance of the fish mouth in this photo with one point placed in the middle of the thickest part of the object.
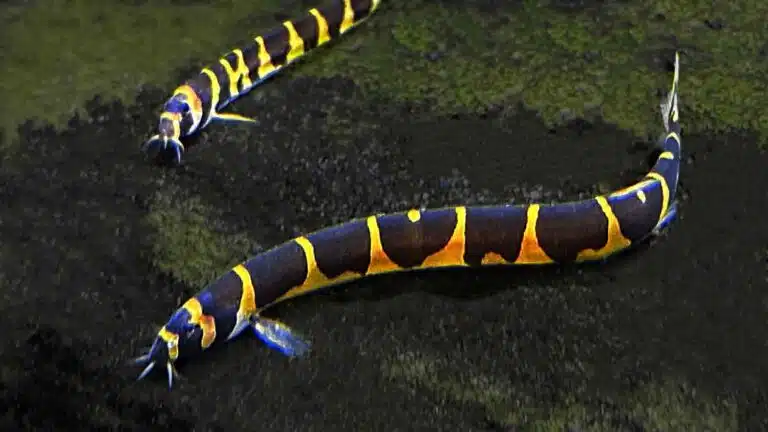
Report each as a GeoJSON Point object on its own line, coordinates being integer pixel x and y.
{"type": "Point", "coordinates": [153, 356]}
{"type": "Point", "coordinates": [147, 360]}
{"type": "Point", "coordinates": [164, 148]}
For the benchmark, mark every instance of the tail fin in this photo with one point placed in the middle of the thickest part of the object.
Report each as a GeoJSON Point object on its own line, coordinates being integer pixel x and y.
{"type": "Point", "coordinates": [669, 108]}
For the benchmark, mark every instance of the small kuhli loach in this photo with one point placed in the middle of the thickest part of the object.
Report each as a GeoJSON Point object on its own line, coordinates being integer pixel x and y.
{"type": "Point", "coordinates": [199, 101]}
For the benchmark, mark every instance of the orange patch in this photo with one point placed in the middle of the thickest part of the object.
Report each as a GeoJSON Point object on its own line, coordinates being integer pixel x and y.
{"type": "Point", "coordinates": [208, 324]}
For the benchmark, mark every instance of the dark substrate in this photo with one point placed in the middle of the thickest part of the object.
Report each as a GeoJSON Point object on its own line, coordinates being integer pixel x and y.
{"type": "Point", "coordinates": [81, 296]}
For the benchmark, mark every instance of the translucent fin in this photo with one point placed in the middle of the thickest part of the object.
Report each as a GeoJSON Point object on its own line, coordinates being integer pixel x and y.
{"type": "Point", "coordinates": [164, 146]}
{"type": "Point", "coordinates": [279, 336]}
{"type": "Point", "coordinates": [231, 117]}
{"type": "Point", "coordinates": [669, 108]}
{"type": "Point", "coordinates": [666, 219]}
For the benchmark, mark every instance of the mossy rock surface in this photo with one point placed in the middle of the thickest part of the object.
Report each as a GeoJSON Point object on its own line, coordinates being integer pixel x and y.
{"type": "Point", "coordinates": [564, 60]}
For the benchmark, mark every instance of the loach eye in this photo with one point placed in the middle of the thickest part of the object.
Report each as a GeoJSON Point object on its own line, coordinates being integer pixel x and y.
{"type": "Point", "coordinates": [177, 106]}
{"type": "Point", "coordinates": [188, 330]}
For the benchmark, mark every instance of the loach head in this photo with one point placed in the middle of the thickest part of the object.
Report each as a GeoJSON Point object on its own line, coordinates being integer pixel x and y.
{"type": "Point", "coordinates": [182, 113]}
{"type": "Point", "coordinates": [177, 339]}
{"type": "Point", "coordinates": [181, 116]}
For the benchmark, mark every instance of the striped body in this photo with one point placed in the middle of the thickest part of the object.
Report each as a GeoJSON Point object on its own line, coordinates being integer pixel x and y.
{"type": "Point", "coordinates": [199, 101]}
{"type": "Point", "coordinates": [531, 234]}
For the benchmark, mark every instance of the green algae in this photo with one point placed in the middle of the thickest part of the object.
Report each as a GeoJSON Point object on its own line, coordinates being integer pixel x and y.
{"type": "Point", "coordinates": [675, 406]}
{"type": "Point", "coordinates": [568, 65]}
{"type": "Point", "coordinates": [185, 246]}
{"type": "Point", "coordinates": [58, 54]}
{"type": "Point", "coordinates": [667, 405]}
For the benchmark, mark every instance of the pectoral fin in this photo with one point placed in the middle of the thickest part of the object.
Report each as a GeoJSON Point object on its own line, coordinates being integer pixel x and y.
{"type": "Point", "coordinates": [279, 336]}
{"type": "Point", "coordinates": [231, 117]}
